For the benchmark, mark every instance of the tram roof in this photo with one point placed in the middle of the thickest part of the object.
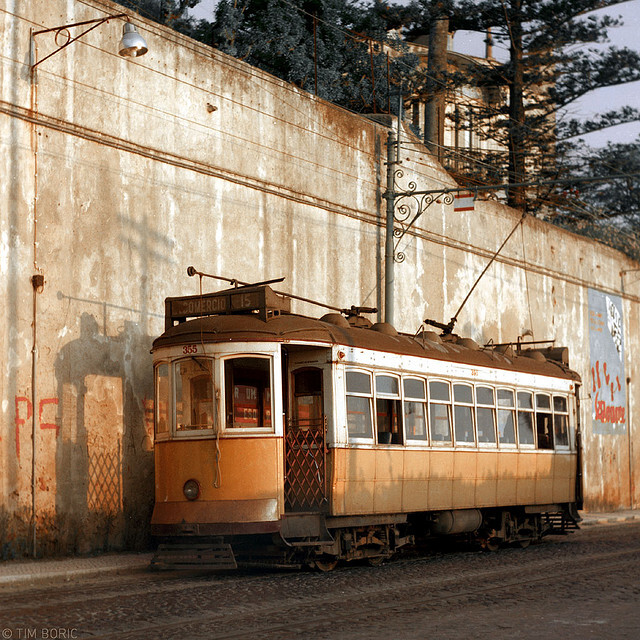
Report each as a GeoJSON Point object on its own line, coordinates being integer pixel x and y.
{"type": "Point", "coordinates": [334, 329]}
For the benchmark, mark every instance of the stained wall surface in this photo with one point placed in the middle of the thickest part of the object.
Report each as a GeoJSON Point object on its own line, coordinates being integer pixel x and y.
{"type": "Point", "coordinates": [116, 174]}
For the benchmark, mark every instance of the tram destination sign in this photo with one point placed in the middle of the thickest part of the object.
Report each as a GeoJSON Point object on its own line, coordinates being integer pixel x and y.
{"type": "Point", "coordinates": [261, 300]}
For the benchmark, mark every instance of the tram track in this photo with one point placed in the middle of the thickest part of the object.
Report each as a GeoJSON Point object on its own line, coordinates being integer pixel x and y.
{"type": "Point", "coordinates": [354, 609]}
{"type": "Point", "coordinates": [347, 597]}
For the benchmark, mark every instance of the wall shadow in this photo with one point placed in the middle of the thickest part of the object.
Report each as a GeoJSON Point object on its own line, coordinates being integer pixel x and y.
{"type": "Point", "coordinates": [104, 455]}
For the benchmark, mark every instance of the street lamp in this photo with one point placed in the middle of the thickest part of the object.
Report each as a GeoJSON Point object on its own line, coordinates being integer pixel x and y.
{"type": "Point", "coordinates": [131, 45]}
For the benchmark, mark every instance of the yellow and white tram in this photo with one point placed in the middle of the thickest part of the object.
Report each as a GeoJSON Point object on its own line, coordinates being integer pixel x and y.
{"type": "Point", "coordinates": [289, 439]}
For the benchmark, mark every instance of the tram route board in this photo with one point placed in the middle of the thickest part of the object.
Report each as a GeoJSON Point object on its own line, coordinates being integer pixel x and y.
{"type": "Point", "coordinates": [260, 300]}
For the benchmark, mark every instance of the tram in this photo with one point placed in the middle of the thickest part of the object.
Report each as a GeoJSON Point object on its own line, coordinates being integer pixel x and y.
{"type": "Point", "coordinates": [306, 441]}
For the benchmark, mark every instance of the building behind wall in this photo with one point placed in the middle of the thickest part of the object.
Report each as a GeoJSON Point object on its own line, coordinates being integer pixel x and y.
{"type": "Point", "coordinates": [117, 174]}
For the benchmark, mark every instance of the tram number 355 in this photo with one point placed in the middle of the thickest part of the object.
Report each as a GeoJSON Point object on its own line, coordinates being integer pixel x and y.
{"type": "Point", "coordinates": [190, 348]}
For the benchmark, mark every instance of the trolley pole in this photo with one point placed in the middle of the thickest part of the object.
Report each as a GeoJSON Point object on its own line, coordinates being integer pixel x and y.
{"type": "Point", "coordinates": [389, 262]}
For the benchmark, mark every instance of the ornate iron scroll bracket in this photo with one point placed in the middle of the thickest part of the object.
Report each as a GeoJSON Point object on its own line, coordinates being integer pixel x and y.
{"type": "Point", "coordinates": [409, 205]}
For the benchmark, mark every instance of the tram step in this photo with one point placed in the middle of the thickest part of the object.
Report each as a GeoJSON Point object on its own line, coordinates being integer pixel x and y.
{"type": "Point", "coordinates": [559, 523]}
{"type": "Point", "coordinates": [194, 556]}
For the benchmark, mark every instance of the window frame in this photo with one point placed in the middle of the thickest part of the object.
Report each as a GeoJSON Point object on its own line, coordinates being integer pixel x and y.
{"type": "Point", "coordinates": [532, 412]}
{"type": "Point", "coordinates": [356, 394]}
{"type": "Point", "coordinates": [392, 397]}
{"type": "Point", "coordinates": [425, 408]}
{"type": "Point", "coordinates": [449, 404]}
{"type": "Point", "coordinates": [511, 446]}
{"type": "Point", "coordinates": [567, 414]}
{"type": "Point", "coordinates": [494, 413]}
{"type": "Point", "coordinates": [466, 444]}
{"type": "Point", "coordinates": [185, 434]}
{"type": "Point", "coordinates": [544, 412]}
{"type": "Point", "coordinates": [227, 430]}
{"type": "Point", "coordinates": [161, 436]}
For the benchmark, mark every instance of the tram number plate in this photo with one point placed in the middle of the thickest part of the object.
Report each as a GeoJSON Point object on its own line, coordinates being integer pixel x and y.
{"type": "Point", "coordinates": [190, 348]}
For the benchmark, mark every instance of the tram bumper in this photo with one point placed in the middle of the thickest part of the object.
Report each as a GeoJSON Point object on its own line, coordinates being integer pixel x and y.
{"type": "Point", "coordinates": [221, 517]}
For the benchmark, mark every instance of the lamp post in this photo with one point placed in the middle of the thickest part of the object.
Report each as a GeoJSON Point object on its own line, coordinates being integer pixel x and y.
{"type": "Point", "coordinates": [131, 45]}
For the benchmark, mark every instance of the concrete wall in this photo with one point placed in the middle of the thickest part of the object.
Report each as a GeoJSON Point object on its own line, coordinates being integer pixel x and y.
{"type": "Point", "coordinates": [117, 174]}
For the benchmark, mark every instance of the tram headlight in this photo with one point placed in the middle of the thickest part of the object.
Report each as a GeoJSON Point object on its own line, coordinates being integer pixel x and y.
{"type": "Point", "coordinates": [191, 489]}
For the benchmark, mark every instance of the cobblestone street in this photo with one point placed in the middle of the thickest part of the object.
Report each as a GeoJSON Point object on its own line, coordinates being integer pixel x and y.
{"type": "Point", "coordinates": [585, 585]}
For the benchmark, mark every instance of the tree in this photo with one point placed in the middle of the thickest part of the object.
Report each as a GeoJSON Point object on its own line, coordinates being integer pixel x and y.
{"type": "Point", "coordinates": [548, 68]}
{"type": "Point", "coordinates": [173, 13]}
{"type": "Point", "coordinates": [608, 209]}
{"type": "Point", "coordinates": [332, 48]}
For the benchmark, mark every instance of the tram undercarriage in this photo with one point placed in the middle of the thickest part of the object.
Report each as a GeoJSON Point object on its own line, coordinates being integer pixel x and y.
{"type": "Point", "coordinates": [311, 540]}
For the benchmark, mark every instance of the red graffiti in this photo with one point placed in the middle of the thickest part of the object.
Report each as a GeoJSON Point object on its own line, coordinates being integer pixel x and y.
{"type": "Point", "coordinates": [19, 421]}
{"type": "Point", "coordinates": [48, 425]}
{"type": "Point", "coordinates": [608, 413]}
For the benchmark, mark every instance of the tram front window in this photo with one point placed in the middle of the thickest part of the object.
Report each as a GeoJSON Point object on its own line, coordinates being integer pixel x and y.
{"type": "Point", "coordinates": [162, 399]}
{"type": "Point", "coordinates": [194, 394]}
{"type": "Point", "coordinates": [247, 393]}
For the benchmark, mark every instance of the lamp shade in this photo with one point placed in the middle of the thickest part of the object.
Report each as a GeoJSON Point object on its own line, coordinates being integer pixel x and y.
{"type": "Point", "coordinates": [132, 43]}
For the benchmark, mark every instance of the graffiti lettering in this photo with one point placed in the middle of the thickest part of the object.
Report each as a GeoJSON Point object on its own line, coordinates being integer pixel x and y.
{"type": "Point", "coordinates": [20, 421]}
{"type": "Point", "coordinates": [609, 413]}
{"type": "Point", "coordinates": [596, 382]}
{"type": "Point", "coordinates": [21, 403]}
{"type": "Point", "coordinates": [48, 425]}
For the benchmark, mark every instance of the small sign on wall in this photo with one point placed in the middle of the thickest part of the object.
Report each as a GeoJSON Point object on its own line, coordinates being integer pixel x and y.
{"type": "Point", "coordinates": [608, 384]}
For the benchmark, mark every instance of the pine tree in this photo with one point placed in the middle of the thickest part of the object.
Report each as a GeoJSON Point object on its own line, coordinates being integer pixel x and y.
{"type": "Point", "coordinates": [173, 13]}
{"type": "Point", "coordinates": [328, 47]}
{"type": "Point", "coordinates": [549, 66]}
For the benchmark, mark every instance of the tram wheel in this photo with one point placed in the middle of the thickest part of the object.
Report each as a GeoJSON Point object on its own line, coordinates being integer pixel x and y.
{"type": "Point", "coordinates": [523, 544]}
{"type": "Point", "coordinates": [325, 563]}
{"type": "Point", "coordinates": [492, 544]}
{"type": "Point", "coordinates": [376, 561]}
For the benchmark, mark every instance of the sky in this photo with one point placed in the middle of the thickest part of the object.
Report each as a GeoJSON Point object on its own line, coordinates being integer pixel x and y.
{"type": "Point", "coordinates": [593, 103]}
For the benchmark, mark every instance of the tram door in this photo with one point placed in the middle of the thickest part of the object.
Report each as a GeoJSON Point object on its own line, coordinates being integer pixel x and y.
{"type": "Point", "coordinates": [305, 450]}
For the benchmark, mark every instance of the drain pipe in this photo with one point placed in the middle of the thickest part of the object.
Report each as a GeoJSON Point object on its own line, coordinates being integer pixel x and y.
{"type": "Point", "coordinates": [37, 282]}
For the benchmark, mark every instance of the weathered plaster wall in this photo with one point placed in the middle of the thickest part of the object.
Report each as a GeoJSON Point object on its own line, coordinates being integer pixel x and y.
{"type": "Point", "coordinates": [117, 174]}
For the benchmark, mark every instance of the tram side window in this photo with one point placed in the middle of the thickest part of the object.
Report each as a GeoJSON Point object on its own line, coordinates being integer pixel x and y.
{"type": "Point", "coordinates": [544, 423]}
{"type": "Point", "coordinates": [560, 421]}
{"type": "Point", "coordinates": [440, 412]}
{"type": "Point", "coordinates": [359, 397]}
{"type": "Point", "coordinates": [194, 394]}
{"type": "Point", "coordinates": [247, 393]}
{"type": "Point", "coordinates": [415, 409]}
{"type": "Point", "coordinates": [525, 418]}
{"type": "Point", "coordinates": [388, 410]}
{"type": "Point", "coordinates": [162, 399]}
{"type": "Point", "coordinates": [463, 414]}
{"type": "Point", "coordinates": [486, 415]}
{"type": "Point", "coordinates": [506, 420]}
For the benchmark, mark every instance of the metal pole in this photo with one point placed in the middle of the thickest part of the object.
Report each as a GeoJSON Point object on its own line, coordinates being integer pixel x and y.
{"type": "Point", "coordinates": [34, 418]}
{"type": "Point", "coordinates": [389, 263]}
